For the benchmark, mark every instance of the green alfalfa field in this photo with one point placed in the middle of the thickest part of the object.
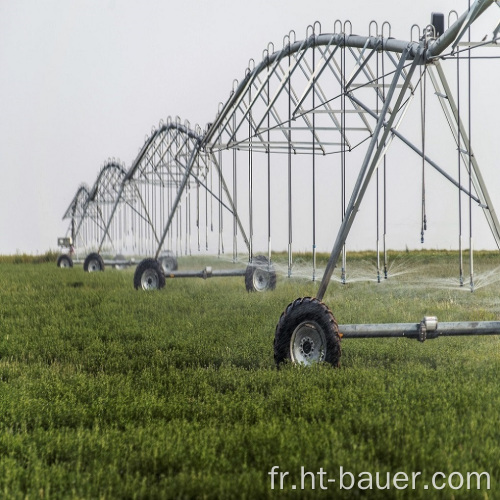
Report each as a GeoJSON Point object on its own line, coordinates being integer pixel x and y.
{"type": "Point", "coordinates": [108, 392]}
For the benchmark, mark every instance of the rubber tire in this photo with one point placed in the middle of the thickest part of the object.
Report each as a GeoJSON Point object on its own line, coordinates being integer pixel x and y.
{"type": "Point", "coordinates": [168, 263]}
{"type": "Point", "coordinates": [93, 257]}
{"type": "Point", "coordinates": [146, 265]}
{"type": "Point", "coordinates": [64, 258]}
{"type": "Point", "coordinates": [260, 263]}
{"type": "Point", "coordinates": [297, 313]}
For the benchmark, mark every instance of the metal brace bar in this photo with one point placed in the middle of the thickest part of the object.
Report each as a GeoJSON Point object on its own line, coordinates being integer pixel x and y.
{"type": "Point", "coordinates": [224, 115]}
{"type": "Point", "coordinates": [231, 203]}
{"type": "Point", "coordinates": [147, 217]}
{"type": "Point", "coordinates": [336, 71]}
{"type": "Point", "coordinates": [426, 158]}
{"type": "Point", "coordinates": [180, 191]}
{"type": "Point", "coordinates": [284, 81]}
{"type": "Point", "coordinates": [477, 178]}
{"type": "Point", "coordinates": [318, 91]}
{"type": "Point", "coordinates": [359, 65]}
{"type": "Point", "coordinates": [367, 168]}
{"type": "Point", "coordinates": [317, 73]}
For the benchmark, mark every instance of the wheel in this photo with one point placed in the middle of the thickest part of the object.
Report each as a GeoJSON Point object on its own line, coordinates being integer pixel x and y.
{"type": "Point", "coordinates": [307, 333]}
{"type": "Point", "coordinates": [119, 257]}
{"type": "Point", "coordinates": [93, 262]}
{"type": "Point", "coordinates": [260, 275]}
{"type": "Point", "coordinates": [64, 261]}
{"type": "Point", "coordinates": [168, 261]}
{"type": "Point", "coordinates": [148, 275]}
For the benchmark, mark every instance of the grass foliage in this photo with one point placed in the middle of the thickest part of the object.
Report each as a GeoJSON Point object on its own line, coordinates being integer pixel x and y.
{"type": "Point", "coordinates": [107, 392]}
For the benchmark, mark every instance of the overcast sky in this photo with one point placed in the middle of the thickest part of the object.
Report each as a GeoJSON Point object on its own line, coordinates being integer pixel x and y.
{"type": "Point", "coordinates": [85, 80]}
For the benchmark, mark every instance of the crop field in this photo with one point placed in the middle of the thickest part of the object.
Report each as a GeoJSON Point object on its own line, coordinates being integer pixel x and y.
{"type": "Point", "coordinates": [108, 392]}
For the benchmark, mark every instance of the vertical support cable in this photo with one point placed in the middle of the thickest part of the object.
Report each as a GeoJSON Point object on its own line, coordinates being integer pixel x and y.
{"type": "Point", "coordinates": [139, 229]}
{"type": "Point", "coordinates": [147, 208]}
{"type": "Point", "coordinates": [179, 228]}
{"type": "Point", "coordinates": [133, 225]}
{"type": "Point", "coordinates": [154, 220]}
{"type": "Point", "coordinates": [235, 201]}
{"type": "Point", "coordinates": [250, 177]}
{"type": "Point", "coordinates": [385, 172]}
{"type": "Point", "coordinates": [169, 204]}
{"type": "Point", "coordinates": [471, 249]}
{"type": "Point", "coordinates": [161, 206]}
{"type": "Point", "coordinates": [206, 210]}
{"type": "Point", "coordinates": [459, 142]}
{"type": "Point", "coordinates": [377, 187]}
{"type": "Point", "coordinates": [423, 81]}
{"type": "Point", "coordinates": [268, 169]}
{"type": "Point", "coordinates": [314, 161]}
{"type": "Point", "coordinates": [342, 155]}
{"type": "Point", "coordinates": [221, 222]}
{"type": "Point", "coordinates": [289, 170]}
{"type": "Point", "coordinates": [186, 220]}
{"type": "Point", "coordinates": [211, 197]}
{"type": "Point", "coordinates": [198, 214]}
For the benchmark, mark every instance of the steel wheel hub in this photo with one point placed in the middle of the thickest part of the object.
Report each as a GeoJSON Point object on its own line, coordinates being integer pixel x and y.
{"type": "Point", "coordinates": [94, 266]}
{"type": "Point", "coordinates": [260, 280]}
{"type": "Point", "coordinates": [166, 265]}
{"type": "Point", "coordinates": [150, 280]}
{"type": "Point", "coordinates": [308, 343]}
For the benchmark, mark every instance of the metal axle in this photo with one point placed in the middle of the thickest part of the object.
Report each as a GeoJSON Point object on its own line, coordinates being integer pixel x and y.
{"type": "Point", "coordinates": [208, 272]}
{"type": "Point", "coordinates": [111, 262]}
{"type": "Point", "coordinates": [428, 328]}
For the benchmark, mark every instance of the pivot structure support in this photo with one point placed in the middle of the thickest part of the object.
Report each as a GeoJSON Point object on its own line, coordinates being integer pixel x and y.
{"type": "Point", "coordinates": [307, 331]}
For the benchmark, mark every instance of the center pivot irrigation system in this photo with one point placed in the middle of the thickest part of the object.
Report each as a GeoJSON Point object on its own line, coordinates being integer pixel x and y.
{"type": "Point", "coordinates": [284, 132]}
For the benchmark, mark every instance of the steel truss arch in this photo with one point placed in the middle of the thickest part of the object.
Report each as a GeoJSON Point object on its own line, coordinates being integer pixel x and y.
{"type": "Point", "coordinates": [76, 212]}
{"type": "Point", "coordinates": [90, 207]}
{"type": "Point", "coordinates": [322, 96]}
{"type": "Point", "coordinates": [170, 172]}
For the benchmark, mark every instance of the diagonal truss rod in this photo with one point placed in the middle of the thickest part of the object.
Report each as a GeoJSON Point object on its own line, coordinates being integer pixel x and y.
{"type": "Point", "coordinates": [149, 157]}
{"type": "Point", "coordinates": [432, 163]}
{"type": "Point", "coordinates": [477, 179]}
{"type": "Point", "coordinates": [287, 75]}
{"type": "Point", "coordinates": [208, 190]}
{"type": "Point", "coordinates": [147, 215]}
{"type": "Point", "coordinates": [187, 173]}
{"type": "Point", "coordinates": [369, 164]}
{"type": "Point", "coordinates": [274, 60]}
{"type": "Point", "coordinates": [322, 64]}
{"type": "Point", "coordinates": [231, 203]}
{"type": "Point", "coordinates": [236, 99]}
{"type": "Point", "coordinates": [180, 191]}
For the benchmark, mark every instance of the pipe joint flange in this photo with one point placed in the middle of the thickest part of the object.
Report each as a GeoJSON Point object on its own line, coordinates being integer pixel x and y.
{"type": "Point", "coordinates": [427, 325]}
{"type": "Point", "coordinates": [422, 331]}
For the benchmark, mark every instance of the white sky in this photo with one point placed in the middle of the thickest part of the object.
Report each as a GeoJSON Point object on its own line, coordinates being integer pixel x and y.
{"type": "Point", "coordinates": [85, 80]}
